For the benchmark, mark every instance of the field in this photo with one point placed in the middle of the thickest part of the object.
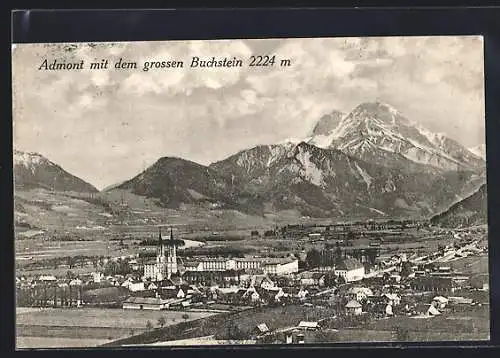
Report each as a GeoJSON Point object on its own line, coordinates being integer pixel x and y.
{"type": "Point", "coordinates": [54, 342]}
{"type": "Point", "coordinates": [89, 324]}
{"type": "Point", "coordinates": [473, 323]}
{"type": "Point", "coordinates": [274, 317]}
{"type": "Point", "coordinates": [471, 265]}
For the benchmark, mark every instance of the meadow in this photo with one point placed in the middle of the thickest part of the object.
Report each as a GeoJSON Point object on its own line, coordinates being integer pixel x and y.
{"type": "Point", "coordinates": [90, 325]}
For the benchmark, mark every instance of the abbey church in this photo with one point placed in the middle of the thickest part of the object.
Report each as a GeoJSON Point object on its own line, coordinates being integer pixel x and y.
{"type": "Point", "coordinates": [166, 259]}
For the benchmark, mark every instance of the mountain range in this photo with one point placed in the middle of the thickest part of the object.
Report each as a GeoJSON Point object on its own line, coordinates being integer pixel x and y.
{"type": "Point", "coordinates": [469, 211]}
{"type": "Point", "coordinates": [479, 150]}
{"type": "Point", "coordinates": [32, 170]}
{"type": "Point", "coordinates": [371, 162]}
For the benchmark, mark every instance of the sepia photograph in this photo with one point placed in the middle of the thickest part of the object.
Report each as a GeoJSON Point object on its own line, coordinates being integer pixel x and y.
{"type": "Point", "coordinates": [250, 192]}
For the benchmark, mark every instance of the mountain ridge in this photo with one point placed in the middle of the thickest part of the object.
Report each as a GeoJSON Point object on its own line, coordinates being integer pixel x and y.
{"type": "Point", "coordinates": [33, 170]}
{"type": "Point", "coordinates": [375, 126]}
{"type": "Point", "coordinates": [471, 210]}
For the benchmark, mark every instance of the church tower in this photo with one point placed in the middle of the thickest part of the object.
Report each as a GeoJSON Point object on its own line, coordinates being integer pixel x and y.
{"type": "Point", "coordinates": [172, 255]}
{"type": "Point", "coordinates": [161, 271]}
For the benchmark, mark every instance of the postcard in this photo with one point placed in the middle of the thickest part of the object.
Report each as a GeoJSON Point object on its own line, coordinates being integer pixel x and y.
{"type": "Point", "coordinates": [249, 192]}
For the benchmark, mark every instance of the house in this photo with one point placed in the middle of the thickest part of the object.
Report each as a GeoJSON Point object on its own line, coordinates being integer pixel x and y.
{"type": "Point", "coordinates": [392, 299]}
{"type": "Point", "coordinates": [350, 270]}
{"type": "Point", "coordinates": [145, 303]}
{"type": "Point", "coordinates": [309, 278]}
{"type": "Point", "coordinates": [261, 329]}
{"type": "Point", "coordinates": [76, 282]}
{"type": "Point", "coordinates": [133, 285]}
{"type": "Point", "coordinates": [280, 266]}
{"type": "Point", "coordinates": [168, 292]}
{"type": "Point", "coordinates": [308, 326]}
{"type": "Point", "coordinates": [47, 278]}
{"type": "Point", "coordinates": [439, 302]}
{"type": "Point", "coordinates": [97, 277]}
{"type": "Point", "coordinates": [433, 284]}
{"type": "Point", "coordinates": [181, 293]}
{"type": "Point", "coordinates": [252, 295]}
{"type": "Point", "coordinates": [433, 311]}
{"type": "Point", "coordinates": [353, 308]}
{"type": "Point", "coordinates": [262, 281]}
{"type": "Point", "coordinates": [151, 286]}
{"type": "Point", "coordinates": [276, 293]}
{"type": "Point", "coordinates": [359, 293]}
{"type": "Point", "coordinates": [193, 266]}
{"type": "Point", "coordinates": [284, 281]}
{"type": "Point", "coordinates": [302, 294]}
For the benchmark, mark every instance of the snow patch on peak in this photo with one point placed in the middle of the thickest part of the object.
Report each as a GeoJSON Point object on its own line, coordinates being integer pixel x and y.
{"type": "Point", "coordinates": [322, 141]}
{"type": "Point", "coordinates": [434, 138]}
{"type": "Point", "coordinates": [366, 177]}
{"type": "Point", "coordinates": [28, 159]}
{"type": "Point", "coordinates": [309, 170]}
{"type": "Point", "coordinates": [294, 141]}
{"type": "Point", "coordinates": [276, 152]}
{"type": "Point", "coordinates": [479, 151]}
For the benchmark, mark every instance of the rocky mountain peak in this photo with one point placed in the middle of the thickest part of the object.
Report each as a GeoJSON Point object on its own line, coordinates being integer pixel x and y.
{"type": "Point", "coordinates": [328, 122]}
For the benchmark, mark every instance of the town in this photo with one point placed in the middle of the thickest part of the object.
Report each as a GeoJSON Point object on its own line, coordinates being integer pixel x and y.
{"type": "Point", "coordinates": [337, 278]}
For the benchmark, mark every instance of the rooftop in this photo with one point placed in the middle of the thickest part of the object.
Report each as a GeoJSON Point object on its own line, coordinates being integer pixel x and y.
{"type": "Point", "coordinates": [349, 264]}
{"type": "Point", "coordinates": [353, 304]}
{"type": "Point", "coordinates": [145, 300]}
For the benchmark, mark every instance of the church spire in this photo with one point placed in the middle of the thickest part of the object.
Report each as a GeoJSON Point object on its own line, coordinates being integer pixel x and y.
{"type": "Point", "coordinates": [160, 241]}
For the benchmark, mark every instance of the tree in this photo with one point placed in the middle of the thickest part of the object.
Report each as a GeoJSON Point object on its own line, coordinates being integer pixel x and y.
{"type": "Point", "coordinates": [234, 332]}
{"type": "Point", "coordinates": [406, 269]}
{"type": "Point", "coordinates": [441, 249]}
{"type": "Point", "coordinates": [70, 275]}
{"type": "Point", "coordinates": [162, 321]}
{"type": "Point", "coordinates": [350, 237]}
{"type": "Point", "coordinates": [313, 258]}
{"type": "Point", "coordinates": [402, 334]}
{"type": "Point", "coordinates": [338, 253]}
{"type": "Point", "coordinates": [149, 325]}
{"type": "Point", "coordinates": [341, 280]}
{"type": "Point", "coordinates": [330, 279]}
{"type": "Point", "coordinates": [372, 254]}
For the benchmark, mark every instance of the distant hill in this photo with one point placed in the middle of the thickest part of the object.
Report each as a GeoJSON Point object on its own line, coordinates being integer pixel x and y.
{"type": "Point", "coordinates": [176, 181]}
{"type": "Point", "coordinates": [469, 211]}
{"type": "Point", "coordinates": [32, 170]}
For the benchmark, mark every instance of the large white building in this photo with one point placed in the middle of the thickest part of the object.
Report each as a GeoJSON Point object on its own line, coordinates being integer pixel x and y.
{"type": "Point", "coordinates": [271, 266]}
{"type": "Point", "coordinates": [280, 266]}
{"type": "Point", "coordinates": [248, 263]}
{"type": "Point", "coordinates": [350, 269]}
{"type": "Point", "coordinates": [210, 264]}
{"type": "Point", "coordinates": [166, 260]}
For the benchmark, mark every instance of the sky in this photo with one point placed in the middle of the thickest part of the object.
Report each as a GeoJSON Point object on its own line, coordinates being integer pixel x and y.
{"type": "Point", "coordinates": [106, 126]}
